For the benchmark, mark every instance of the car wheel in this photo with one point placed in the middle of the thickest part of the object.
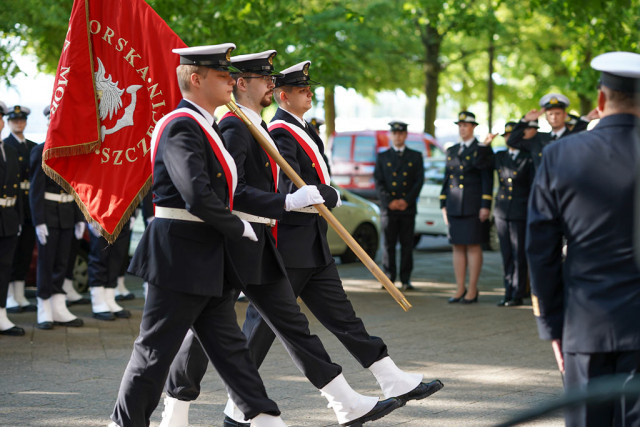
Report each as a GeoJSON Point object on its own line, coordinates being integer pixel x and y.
{"type": "Point", "coordinates": [367, 237]}
{"type": "Point", "coordinates": [81, 271]}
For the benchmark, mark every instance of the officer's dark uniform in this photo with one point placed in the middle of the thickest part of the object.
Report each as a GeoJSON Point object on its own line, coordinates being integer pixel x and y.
{"type": "Point", "coordinates": [591, 302]}
{"type": "Point", "coordinates": [536, 144]}
{"type": "Point", "coordinates": [11, 218]}
{"type": "Point", "coordinates": [515, 175]}
{"type": "Point", "coordinates": [27, 239]}
{"type": "Point", "coordinates": [189, 271]}
{"type": "Point", "coordinates": [467, 187]}
{"type": "Point", "coordinates": [56, 208]}
{"type": "Point", "coordinates": [398, 176]}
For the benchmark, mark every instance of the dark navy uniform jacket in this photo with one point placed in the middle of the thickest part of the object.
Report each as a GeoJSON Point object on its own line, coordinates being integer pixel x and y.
{"type": "Point", "coordinates": [514, 178]}
{"type": "Point", "coordinates": [11, 217]}
{"type": "Point", "coordinates": [536, 144]}
{"type": "Point", "coordinates": [584, 190]}
{"type": "Point", "coordinates": [302, 237]}
{"type": "Point", "coordinates": [399, 177]}
{"type": "Point", "coordinates": [186, 256]}
{"type": "Point", "coordinates": [255, 194]}
{"type": "Point", "coordinates": [61, 215]}
{"type": "Point", "coordinates": [24, 156]}
{"type": "Point", "coordinates": [468, 180]}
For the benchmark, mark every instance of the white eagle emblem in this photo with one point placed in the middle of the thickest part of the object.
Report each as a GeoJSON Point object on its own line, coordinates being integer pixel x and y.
{"type": "Point", "coordinates": [110, 97]}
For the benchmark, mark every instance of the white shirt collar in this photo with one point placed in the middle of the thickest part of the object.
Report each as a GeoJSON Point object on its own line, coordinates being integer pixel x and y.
{"type": "Point", "coordinates": [513, 151]}
{"type": "Point", "coordinates": [398, 150]}
{"type": "Point", "coordinates": [468, 142]}
{"type": "Point", "coordinates": [208, 117]}
{"type": "Point", "coordinates": [559, 133]}
{"type": "Point", "coordinates": [301, 120]}
{"type": "Point", "coordinates": [16, 137]}
{"type": "Point", "coordinates": [255, 118]}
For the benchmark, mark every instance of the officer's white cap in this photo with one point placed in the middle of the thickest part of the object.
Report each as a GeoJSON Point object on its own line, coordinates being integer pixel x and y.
{"type": "Point", "coordinates": [620, 70]}
{"type": "Point", "coordinates": [554, 100]}
{"type": "Point", "coordinates": [216, 56]}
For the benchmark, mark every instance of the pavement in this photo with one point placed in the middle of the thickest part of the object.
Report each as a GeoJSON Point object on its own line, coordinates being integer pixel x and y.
{"type": "Point", "coordinates": [489, 358]}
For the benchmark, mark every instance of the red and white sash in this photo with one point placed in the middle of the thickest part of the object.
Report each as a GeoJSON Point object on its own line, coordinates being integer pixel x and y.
{"type": "Point", "coordinates": [308, 145]}
{"type": "Point", "coordinates": [221, 153]}
{"type": "Point", "coordinates": [275, 169]}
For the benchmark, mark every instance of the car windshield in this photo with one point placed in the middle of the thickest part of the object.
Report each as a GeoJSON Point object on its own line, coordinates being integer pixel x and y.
{"type": "Point", "coordinates": [434, 171]}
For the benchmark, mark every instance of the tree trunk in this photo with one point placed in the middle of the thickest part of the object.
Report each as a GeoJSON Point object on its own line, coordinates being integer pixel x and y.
{"type": "Point", "coordinates": [492, 50]}
{"type": "Point", "coordinates": [432, 42]}
{"type": "Point", "coordinates": [329, 111]}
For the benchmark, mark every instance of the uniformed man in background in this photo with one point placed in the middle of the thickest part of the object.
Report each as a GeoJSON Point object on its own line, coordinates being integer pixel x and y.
{"type": "Point", "coordinates": [589, 307]}
{"type": "Point", "coordinates": [11, 219]}
{"type": "Point", "coordinates": [16, 301]}
{"type": "Point", "coordinates": [399, 176]}
{"type": "Point", "coordinates": [515, 175]}
{"type": "Point", "coordinates": [554, 107]}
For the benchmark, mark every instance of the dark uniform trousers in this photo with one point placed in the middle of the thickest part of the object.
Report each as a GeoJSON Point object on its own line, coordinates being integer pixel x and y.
{"type": "Point", "coordinates": [10, 218]}
{"type": "Point", "coordinates": [27, 239]}
{"type": "Point", "coordinates": [264, 280]}
{"type": "Point", "coordinates": [591, 300]}
{"type": "Point", "coordinates": [60, 218]}
{"type": "Point", "coordinates": [398, 177]}
{"type": "Point", "coordinates": [510, 214]}
{"type": "Point", "coordinates": [105, 260]}
{"type": "Point", "coordinates": [191, 280]}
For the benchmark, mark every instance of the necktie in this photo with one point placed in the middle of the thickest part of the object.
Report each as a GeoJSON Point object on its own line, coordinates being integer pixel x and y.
{"type": "Point", "coordinates": [461, 149]}
{"type": "Point", "coordinates": [4, 157]}
{"type": "Point", "coordinates": [554, 137]}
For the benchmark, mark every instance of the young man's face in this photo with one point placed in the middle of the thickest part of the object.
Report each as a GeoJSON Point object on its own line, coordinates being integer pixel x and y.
{"type": "Point", "coordinates": [260, 89]}
{"type": "Point", "coordinates": [466, 130]}
{"type": "Point", "coordinates": [17, 125]}
{"type": "Point", "coordinates": [556, 117]}
{"type": "Point", "coordinates": [398, 138]}
{"type": "Point", "coordinates": [300, 98]}
{"type": "Point", "coordinates": [217, 87]}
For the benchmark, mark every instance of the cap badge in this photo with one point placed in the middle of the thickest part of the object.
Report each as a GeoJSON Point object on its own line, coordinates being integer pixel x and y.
{"type": "Point", "coordinates": [229, 54]}
{"type": "Point", "coordinates": [462, 116]}
{"type": "Point", "coordinates": [16, 109]}
{"type": "Point", "coordinates": [305, 69]}
{"type": "Point", "coordinates": [553, 100]}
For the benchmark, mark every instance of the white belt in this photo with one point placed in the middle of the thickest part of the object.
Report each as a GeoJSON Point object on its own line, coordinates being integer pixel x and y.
{"type": "Point", "coordinates": [24, 185]}
{"type": "Point", "coordinates": [175, 213]}
{"type": "Point", "coordinates": [308, 209]}
{"type": "Point", "coordinates": [256, 219]}
{"type": "Point", "coordinates": [60, 198]}
{"type": "Point", "coordinates": [7, 202]}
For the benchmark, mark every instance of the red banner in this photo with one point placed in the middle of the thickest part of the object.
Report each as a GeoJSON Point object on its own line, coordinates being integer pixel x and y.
{"type": "Point", "coordinates": [115, 80]}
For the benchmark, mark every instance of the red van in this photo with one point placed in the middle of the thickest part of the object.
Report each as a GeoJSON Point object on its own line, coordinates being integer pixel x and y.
{"type": "Point", "coordinates": [353, 156]}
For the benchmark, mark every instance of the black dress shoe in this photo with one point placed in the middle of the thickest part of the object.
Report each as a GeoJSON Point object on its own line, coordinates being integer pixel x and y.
{"type": "Point", "coordinates": [382, 408]}
{"type": "Point", "coordinates": [44, 325]}
{"type": "Point", "coordinates": [514, 302]}
{"type": "Point", "coordinates": [407, 286]}
{"type": "Point", "coordinates": [502, 302]}
{"type": "Point", "coordinates": [75, 323]}
{"type": "Point", "coordinates": [122, 314]}
{"type": "Point", "coordinates": [30, 308]}
{"type": "Point", "coordinates": [126, 297]}
{"type": "Point", "coordinates": [454, 300]}
{"type": "Point", "coordinates": [14, 331]}
{"type": "Point", "coordinates": [230, 422]}
{"type": "Point", "coordinates": [421, 391]}
{"type": "Point", "coordinates": [81, 301]}
{"type": "Point", "coordinates": [14, 310]}
{"type": "Point", "coordinates": [105, 315]}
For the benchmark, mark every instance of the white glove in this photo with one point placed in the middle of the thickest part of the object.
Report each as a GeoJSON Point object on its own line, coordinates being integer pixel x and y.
{"type": "Point", "coordinates": [339, 202]}
{"type": "Point", "coordinates": [42, 232]}
{"type": "Point", "coordinates": [132, 221]}
{"type": "Point", "coordinates": [78, 230]}
{"type": "Point", "coordinates": [305, 196]}
{"type": "Point", "coordinates": [248, 231]}
{"type": "Point", "coordinates": [19, 229]}
{"type": "Point", "coordinates": [94, 230]}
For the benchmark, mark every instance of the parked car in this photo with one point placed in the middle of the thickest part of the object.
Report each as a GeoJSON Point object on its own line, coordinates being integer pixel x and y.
{"type": "Point", "coordinates": [353, 156]}
{"type": "Point", "coordinates": [359, 216]}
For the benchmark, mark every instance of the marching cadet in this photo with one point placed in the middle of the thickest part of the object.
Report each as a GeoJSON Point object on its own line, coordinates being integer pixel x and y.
{"type": "Point", "coordinates": [515, 175]}
{"type": "Point", "coordinates": [56, 218]}
{"type": "Point", "coordinates": [10, 223]}
{"type": "Point", "coordinates": [465, 201]}
{"type": "Point", "coordinates": [589, 306]}
{"type": "Point", "coordinates": [183, 253]}
{"type": "Point", "coordinates": [261, 269]}
{"type": "Point", "coordinates": [554, 106]}
{"type": "Point", "coordinates": [16, 301]}
{"type": "Point", "coordinates": [399, 176]}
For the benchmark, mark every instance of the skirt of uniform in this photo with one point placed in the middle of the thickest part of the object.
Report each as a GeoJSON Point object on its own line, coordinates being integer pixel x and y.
{"type": "Point", "coordinates": [467, 230]}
